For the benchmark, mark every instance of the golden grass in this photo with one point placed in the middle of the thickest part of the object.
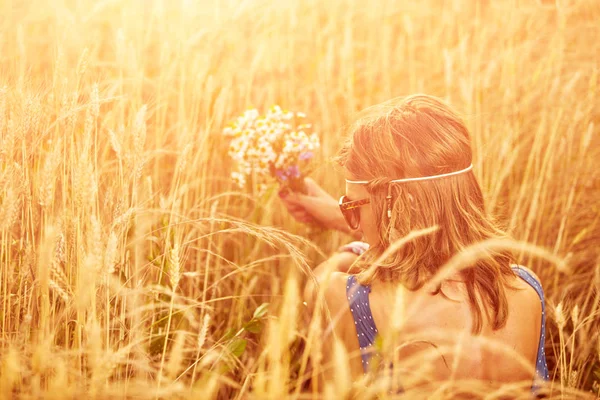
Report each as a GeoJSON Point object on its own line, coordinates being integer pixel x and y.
{"type": "Point", "coordinates": [130, 267]}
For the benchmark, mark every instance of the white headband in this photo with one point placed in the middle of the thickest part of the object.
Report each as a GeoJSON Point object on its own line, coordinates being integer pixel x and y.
{"type": "Point", "coordinates": [424, 178]}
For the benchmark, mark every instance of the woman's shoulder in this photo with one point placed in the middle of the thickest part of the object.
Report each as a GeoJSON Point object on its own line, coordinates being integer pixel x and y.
{"type": "Point", "coordinates": [336, 292]}
{"type": "Point", "coordinates": [331, 289]}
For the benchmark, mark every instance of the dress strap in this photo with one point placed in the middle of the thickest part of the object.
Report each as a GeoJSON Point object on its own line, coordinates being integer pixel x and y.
{"type": "Point", "coordinates": [366, 331]}
{"type": "Point", "coordinates": [541, 365]}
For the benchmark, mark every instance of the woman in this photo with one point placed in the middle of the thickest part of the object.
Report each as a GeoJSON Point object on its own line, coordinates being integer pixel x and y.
{"type": "Point", "coordinates": [408, 167]}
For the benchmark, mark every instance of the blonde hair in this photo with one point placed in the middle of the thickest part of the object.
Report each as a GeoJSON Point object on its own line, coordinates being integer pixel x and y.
{"type": "Point", "coordinates": [421, 136]}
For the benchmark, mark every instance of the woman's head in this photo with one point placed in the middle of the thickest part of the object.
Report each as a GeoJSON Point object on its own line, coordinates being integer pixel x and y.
{"type": "Point", "coordinates": [416, 136]}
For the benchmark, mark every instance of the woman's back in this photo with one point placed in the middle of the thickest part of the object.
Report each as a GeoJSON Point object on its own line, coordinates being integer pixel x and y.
{"type": "Point", "coordinates": [433, 332]}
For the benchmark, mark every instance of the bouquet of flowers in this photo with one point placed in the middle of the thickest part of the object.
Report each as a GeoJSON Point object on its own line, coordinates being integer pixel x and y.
{"type": "Point", "coordinates": [277, 146]}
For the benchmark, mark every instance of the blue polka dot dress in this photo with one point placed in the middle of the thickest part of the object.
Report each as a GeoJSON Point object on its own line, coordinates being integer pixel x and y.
{"type": "Point", "coordinates": [366, 330]}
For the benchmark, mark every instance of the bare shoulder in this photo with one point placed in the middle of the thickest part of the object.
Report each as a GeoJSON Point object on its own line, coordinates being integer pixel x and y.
{"type": "Point", "coordinates": [526, 296]}
{"type": "Point", "coordinates": [328, 293]}
{"type": "Point", "coordinates": [335, 291]}
{"type": "Point", "coordinates": [331, 288]}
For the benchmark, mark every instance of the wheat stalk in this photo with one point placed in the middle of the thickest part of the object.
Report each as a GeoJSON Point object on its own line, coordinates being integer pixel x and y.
{"type": "Point", "coordinates": [111, 254]}
{"type": "Point", "coordinates": [82, 64]}
{"type": "Point", "coordinates": [203, 331]}
{"type": "Point", "coordinates": [174, 267]}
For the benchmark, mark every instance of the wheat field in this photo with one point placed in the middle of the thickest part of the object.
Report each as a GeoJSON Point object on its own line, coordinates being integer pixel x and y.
{"type": "Point", "coordinates": [132, 267]}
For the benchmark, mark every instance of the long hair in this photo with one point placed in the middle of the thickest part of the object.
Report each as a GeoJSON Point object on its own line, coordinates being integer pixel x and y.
{"type": "Point", "coordinates": [421, 136]}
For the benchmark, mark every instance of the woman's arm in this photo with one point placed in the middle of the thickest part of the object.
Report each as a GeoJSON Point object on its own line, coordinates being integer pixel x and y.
{"type": "Point", "coordinates": [340, 262]}
{"type": "Point", "coordinates": [325, 302]}
{"type": "Point", "coordinates": [316, 207]}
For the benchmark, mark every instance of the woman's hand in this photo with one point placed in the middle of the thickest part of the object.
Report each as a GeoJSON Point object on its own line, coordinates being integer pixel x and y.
{"type": "Point", "coordinates": [316, 207]}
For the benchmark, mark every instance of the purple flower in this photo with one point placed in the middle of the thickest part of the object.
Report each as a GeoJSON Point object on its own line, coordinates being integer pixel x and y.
{"type": "Point", "coordinates": [281, 175]}
{"type": "Point", "coordinates": [293, 171]}
{"type": "Point", "coordinates": [307, 155]}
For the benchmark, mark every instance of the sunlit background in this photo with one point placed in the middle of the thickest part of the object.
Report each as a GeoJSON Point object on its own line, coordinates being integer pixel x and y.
{"type": "Point", "coordinates": [132, 266]}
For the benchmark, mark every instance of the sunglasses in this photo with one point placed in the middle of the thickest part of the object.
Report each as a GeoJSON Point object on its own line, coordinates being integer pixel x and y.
{"type": "Point", "coordinates": [350, 210]}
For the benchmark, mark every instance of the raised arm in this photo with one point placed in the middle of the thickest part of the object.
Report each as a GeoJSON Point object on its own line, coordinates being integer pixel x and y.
{"type": "Point", "coordinates": [316, 207]}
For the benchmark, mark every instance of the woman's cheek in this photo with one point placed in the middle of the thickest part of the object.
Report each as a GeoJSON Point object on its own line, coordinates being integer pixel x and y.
{"type": "Point", "coordinates": [369, 227]}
